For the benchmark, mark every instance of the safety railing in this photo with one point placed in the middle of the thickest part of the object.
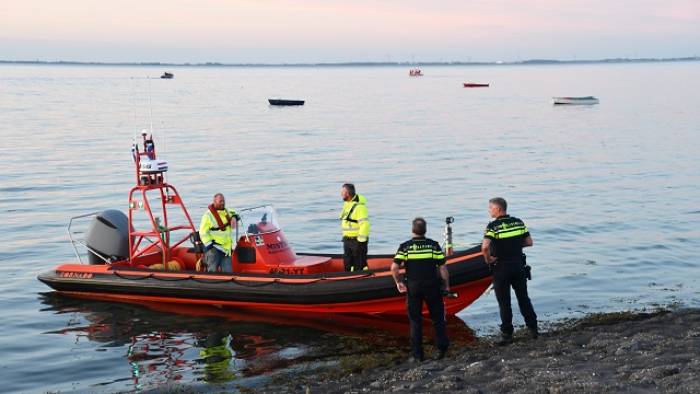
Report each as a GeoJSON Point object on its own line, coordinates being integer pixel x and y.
{"type": "Point", "coordinates": [74, 241]}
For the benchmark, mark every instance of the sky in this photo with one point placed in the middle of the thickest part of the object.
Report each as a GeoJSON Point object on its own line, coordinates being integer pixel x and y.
{"type": "Point", "coordinates": [303, 31]}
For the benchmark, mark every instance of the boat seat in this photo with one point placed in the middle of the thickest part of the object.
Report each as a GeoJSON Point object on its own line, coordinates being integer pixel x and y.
{"type": "Point", "coordinates": [173, 265]}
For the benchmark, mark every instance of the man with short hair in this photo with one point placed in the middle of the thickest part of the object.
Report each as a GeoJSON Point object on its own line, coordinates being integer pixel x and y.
{"type": "Point", "coordinates": [354, 223]}
{"type": "Point", "coordinates": [504, 240]}
{"type": "Point", "coordinates": [426, 280]}
{"type": "Point", "coordinates": [215, 233]}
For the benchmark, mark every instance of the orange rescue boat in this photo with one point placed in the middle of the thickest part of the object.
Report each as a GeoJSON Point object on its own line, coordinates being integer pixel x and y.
{"type": "Point", "coordinates": [146, 257]}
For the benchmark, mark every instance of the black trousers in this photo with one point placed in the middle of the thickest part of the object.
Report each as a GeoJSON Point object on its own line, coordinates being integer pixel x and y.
{"type": "Point", "coordinates": [429, 292]}
{"type": "Point", "coordinates": [354, 254]}
{"type": "Point", "coordinates": [505, 276]}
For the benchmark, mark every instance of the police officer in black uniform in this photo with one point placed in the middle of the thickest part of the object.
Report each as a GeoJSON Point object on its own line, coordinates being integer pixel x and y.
{"type": "Point", "coordinates": [426, 280]}
{"type": "Point", "coordinates": [504, 240]}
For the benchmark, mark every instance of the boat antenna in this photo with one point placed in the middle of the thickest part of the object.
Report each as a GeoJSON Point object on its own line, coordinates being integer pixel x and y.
{"type": "Point", "coordinates": [132, 101]}
{"type": "Point", "coordinates": [150, 115]}
{"type": "Point", "coordinates": [165, 140]}
{"type": "Point", "coordinates": [150, 105]}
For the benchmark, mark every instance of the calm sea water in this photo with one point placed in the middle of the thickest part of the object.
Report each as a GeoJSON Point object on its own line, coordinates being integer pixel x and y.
{"type": "Point", "coordinates": [610, 193]}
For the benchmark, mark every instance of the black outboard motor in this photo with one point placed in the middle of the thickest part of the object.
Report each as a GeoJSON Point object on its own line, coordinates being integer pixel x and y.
{"type": "Point", "coordinates": [108, 237]}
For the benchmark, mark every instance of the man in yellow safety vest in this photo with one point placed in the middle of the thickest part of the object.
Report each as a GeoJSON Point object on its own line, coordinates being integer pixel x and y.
{"type": "Point", "coordinates": [215, 233]}
{"type": "Point", "coordinates": [355, 225]}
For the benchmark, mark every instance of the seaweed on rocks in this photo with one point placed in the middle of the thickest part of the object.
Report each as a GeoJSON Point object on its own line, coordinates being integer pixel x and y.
{"type": "Point", "coordinates": [635, 351]}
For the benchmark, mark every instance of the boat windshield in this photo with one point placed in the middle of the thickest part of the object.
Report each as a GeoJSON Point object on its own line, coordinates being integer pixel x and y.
{"type": "Point", "coordinates": [259, 220]}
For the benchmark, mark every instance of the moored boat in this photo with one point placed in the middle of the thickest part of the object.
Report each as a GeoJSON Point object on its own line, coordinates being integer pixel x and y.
{"type": "Point", "coordinates": [584, 100]}
{"type": "Point", "coordinates": [475, 85]}
{"type": "Point", "coordinates": [285, 102]}
{"type": "Point", "coordinates": [140, 257]}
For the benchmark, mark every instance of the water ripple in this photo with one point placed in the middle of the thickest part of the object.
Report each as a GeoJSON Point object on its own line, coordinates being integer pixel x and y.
{"type": "Point", "coordinates": [609, 193]}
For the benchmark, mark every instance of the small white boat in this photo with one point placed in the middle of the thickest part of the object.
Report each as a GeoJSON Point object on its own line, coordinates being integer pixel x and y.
{"type": "Point", "coordinates": [587, 100]}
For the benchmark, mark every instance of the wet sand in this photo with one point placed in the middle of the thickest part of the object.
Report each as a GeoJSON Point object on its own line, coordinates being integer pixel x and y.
{"type": "Point", "coordinates": [615, 352]}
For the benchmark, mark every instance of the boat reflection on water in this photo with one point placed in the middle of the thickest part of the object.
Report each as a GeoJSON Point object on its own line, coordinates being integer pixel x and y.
{"type": "Point", "coordinates": [189, 344]}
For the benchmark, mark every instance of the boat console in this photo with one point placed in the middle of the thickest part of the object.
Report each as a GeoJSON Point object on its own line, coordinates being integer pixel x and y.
{"type": "Point", "coordinates": [263, 247]}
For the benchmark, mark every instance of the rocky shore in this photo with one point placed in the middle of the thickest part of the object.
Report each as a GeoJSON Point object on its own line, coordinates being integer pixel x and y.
{"type": "Point", "coordinates": [616, 352]}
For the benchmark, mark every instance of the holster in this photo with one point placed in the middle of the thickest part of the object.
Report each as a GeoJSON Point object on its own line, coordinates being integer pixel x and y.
{"type": "Point", "coordinates": [527, 270]}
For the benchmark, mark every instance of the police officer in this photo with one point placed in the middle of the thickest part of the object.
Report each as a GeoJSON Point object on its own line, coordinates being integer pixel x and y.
{"type": "Point", "coordinates": [502, 247]}
{"type": "Point", "coordinates": [215, 233]}
{"type": "Point", "coordinates": [426, 280]}
{"type": "Point", "coordinates": [354, 223]}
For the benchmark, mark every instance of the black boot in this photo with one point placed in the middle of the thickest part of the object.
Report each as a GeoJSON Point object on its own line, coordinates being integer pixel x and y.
{"type": "Point", "coordinates": [534, 333]}
{"type": "Point", "coordinates": [506, 339]}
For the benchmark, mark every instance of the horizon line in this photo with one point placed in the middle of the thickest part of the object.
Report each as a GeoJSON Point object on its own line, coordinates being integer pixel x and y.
{"type": "Point", "coordinates": [359, 63]}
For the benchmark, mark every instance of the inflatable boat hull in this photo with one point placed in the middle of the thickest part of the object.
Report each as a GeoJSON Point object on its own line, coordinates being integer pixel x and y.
{"type": "Point", "coordinates": [372, 292]}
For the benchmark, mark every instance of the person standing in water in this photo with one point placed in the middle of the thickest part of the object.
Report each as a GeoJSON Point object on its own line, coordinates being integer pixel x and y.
{"type": "Point", "coordinates": [426, 280]}
{"type": "Point", "coordinates": [504, 240]}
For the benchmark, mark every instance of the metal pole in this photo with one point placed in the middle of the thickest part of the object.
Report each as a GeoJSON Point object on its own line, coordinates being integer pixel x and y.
{"type": "Point", "coordinates": [449, 250]}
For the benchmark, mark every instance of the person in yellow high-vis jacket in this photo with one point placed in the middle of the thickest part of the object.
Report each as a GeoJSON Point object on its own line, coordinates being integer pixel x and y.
{"type": "Point", "coordinates": [215, 233]}
{"type": "Point", "coordinates": [354, 222]}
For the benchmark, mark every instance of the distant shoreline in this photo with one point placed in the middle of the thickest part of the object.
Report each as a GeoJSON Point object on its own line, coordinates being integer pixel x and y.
{"type": "Point", "coordinates": [356, 64]}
